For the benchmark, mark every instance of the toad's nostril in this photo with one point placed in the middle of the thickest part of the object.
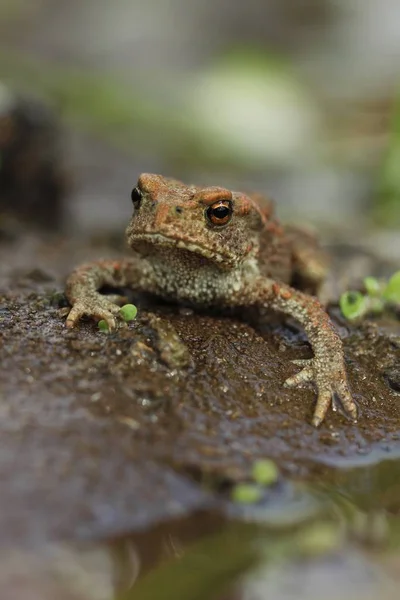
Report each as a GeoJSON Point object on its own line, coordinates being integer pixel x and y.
{"type": "Point", "coordinates": [178, 210]}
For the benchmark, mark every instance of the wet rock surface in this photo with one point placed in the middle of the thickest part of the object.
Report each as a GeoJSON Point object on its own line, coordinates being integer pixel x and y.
{"type": "Point", "coordinates": [103, 435]}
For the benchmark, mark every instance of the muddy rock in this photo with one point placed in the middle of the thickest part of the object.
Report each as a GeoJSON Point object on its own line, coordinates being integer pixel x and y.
{"type": "Point", "coordinates": [101, 434]}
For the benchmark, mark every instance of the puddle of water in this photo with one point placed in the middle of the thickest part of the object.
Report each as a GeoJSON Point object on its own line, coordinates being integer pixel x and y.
{"type": "Point", "coordinates": [341, 539]}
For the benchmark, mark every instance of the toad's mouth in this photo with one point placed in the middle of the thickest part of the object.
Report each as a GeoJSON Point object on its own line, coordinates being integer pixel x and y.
{"type": "Point", "coordinates": [183, 243]}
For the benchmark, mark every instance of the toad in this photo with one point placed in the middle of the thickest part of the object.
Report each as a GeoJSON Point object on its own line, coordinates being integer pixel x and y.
{"type": "Point", "coordinates": [213, 247]}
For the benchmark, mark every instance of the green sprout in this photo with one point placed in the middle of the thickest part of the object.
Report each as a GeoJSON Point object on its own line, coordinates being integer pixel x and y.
{"type": "Point", "coordinates": [378, 295]}
{"type": "Point", "coordinates": [246, 493]}
{"type": "Point", "coordinates": [265, 472]}
{"type": "Point", "coordinates": [103, 326]}
{"type": "Point", "coordinates": [353, 305]}
{"type": "Point", "coordinates": [128, 312]}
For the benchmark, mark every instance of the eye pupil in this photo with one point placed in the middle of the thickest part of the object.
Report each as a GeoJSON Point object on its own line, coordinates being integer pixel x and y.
{"type": "Point", "coordinates": [219, 213]}
{"type": "Point", "coordinates": [136, 197]}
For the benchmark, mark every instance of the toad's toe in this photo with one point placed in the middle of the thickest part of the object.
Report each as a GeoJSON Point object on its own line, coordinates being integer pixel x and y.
{"type": "Point", "coordinates": [323, 403]}
{"type": "Point", "coordinates": [304, 376]}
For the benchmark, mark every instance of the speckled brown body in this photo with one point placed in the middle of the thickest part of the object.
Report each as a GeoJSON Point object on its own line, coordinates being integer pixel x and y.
{"type": "Point", "coordinates": [213, 247]}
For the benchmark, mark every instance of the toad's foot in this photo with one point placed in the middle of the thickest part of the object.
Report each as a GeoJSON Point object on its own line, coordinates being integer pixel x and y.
{"type": "Point", "coordinates": [331, 385]}
{"type": "Point", "coordinates": [96, 306]}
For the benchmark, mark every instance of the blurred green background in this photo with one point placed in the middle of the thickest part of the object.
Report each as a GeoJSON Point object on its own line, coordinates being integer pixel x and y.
{"type": "Point", "coordinates": [295, 98]}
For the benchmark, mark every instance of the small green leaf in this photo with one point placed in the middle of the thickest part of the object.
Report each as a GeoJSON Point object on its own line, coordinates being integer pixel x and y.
{"type": "Point", "coordinates": [103, 326]}
{"type": "Point", "coordinates": [265, 472]}
{"type": "Point", "coordinates": [246, 493]}
{"type": "Point", "coordinates": [372, 286]}
{"type": "Point", "coordinates": [353, 305]}
{"type": "Point", "coordinates": [392, 291]}
{"type": "Point", "coordinates": [128, 312]}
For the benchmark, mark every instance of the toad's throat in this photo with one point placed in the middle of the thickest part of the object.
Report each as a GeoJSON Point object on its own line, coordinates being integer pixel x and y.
{"type": "Point", "coordinates": [183, 243]}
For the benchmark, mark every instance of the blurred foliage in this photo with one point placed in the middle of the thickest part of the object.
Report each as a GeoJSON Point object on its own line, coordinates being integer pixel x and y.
{"type": "Point", "coordinates": [229, 115]}
{"type": "Point", "coordinates": [19, 11]}
{"type": "Point", "coordinates": [387, 205]}
{"type": "Point", "coordinates": [226, 117]}
{"type": "Point", "coordinates": [97, 103]}
{"type": "Point", "coordinates": [12, 9]}
{"type": "Point", "coordinates": [378, 296]}
{"type": "Point", "coordinates": [391, 293]}
{"type": "Point", "coordinates": [250, 109]}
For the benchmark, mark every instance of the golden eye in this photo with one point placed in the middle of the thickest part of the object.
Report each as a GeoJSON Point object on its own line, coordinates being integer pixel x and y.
{"type": "Point", "coordinates": [220, 213]}
{"type": "Point", "coordinates": [136, 197]}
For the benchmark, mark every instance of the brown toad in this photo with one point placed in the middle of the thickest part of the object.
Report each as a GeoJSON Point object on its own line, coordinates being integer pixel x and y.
{"type": "Point", "coordinates": [213, 247]}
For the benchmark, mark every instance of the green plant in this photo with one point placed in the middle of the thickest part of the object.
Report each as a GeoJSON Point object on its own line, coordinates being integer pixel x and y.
{"type": "Point", "coordinates": [103, 326]}
{"type": "Point", "coordinates": [264, 473]}
{"type": "Point", "coordinates": [128, 312]}
{"type": "Point", "coordinates": [386, 210]}
{"type": "Point", "coordinates": [391, 293]}
{"type": "Point", "coordinates": [378, 295]}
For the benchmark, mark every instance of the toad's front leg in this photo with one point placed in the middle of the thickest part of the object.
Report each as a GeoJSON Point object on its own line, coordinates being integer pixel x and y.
{"type": "Point", "coordinates": [327, 369]}
{"type": "Point", "coordinates": [82, 287]}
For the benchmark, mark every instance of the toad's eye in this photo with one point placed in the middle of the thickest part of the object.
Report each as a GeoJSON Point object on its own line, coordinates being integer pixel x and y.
{"type": "Point", "coordinates": [136, 197]}
{"type": "Point", "coordinates": [220, 213]}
